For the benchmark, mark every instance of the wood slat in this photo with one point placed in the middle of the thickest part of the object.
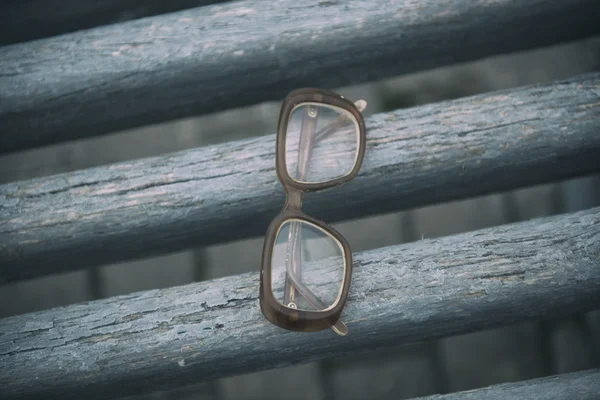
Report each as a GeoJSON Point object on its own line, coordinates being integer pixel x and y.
{"type": "Point", "coordinates": [165, 338]}
{"type": "Point", "coordinates": [240, 53]}
{"type": "Point", "coordinates": [34, 19]}
{"type": "Point", "coordinates": [582, 385]}
{"type": "Point", "coordinates": [220, 193]}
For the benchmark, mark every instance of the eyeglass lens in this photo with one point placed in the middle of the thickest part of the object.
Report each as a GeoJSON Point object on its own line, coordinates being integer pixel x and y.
{"type": "Point", "coordinates": [321, 143]}
{"type": "Point", "coordinates": [314, 263]}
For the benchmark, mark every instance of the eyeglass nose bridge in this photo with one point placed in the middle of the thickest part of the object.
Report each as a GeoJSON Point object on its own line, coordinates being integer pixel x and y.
{"type": "Point", "coordinates": [293, 200]}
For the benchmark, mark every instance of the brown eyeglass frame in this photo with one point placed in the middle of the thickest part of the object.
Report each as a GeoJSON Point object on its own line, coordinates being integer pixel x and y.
{"type": "Point", "coordinates": [287, 317]}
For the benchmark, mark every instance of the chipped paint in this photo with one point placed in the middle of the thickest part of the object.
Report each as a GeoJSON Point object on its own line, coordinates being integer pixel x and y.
{"type": "Point", "coordinates": [235, 12]}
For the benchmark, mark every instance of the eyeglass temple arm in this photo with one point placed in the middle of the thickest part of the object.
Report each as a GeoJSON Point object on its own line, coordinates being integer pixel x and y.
{"type": "Point", "coordinates": [339, 121]}
{"type": "Point", "coordinates": [307, 140]}
{"type": "Point", "coordinates": [340, 327]}
{"type": "Point", "coordinates": [293, 256]}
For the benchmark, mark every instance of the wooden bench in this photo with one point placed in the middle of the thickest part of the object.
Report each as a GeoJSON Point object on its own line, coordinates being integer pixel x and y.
{"type": "Point", "coordinates": [200, 60]}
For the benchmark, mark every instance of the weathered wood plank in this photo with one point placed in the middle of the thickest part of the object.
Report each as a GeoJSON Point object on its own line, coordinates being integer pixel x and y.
{"type": "Point", "coordinates": [244, 52]}
{"type": "Point", "coordinates": [34, 19]}
{"type": "Point", "coordinates": [583, 385]}
{"type": "Point", "coordinates": [225, 192]}
{"type": "Point", "coordinates": [431, 288]}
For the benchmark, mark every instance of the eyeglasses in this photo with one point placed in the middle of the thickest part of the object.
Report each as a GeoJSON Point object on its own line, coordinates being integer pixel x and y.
{"type": "Point", "coordinates": [306, 264]}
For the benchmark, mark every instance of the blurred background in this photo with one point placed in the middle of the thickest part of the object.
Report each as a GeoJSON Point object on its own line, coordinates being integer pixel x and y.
{"type": "Point", "coordinates": [519, 352]}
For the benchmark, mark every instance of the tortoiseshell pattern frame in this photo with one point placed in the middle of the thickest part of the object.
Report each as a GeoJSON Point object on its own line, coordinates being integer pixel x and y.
{"type": "Point", "coordinates": [278, 314]}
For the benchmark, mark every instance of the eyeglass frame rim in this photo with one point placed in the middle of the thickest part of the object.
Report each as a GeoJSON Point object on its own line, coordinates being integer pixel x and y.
{"type": "Point", "coordinates": [275, 312]}
{"type": "Point", "coordinates": [322, 96]}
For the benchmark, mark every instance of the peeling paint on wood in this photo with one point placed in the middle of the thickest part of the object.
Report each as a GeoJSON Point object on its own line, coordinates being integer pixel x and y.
{"type": "Point", "coordinates": [583, 385]}
{"type": "Point", "coordinates": [418, 156]}
{"type": "Point", "coordinates": [166, 338]}
{"type": "Point", "coordinates": [187, 63]}
{"type": "Point", "coordinates": [35, 19]}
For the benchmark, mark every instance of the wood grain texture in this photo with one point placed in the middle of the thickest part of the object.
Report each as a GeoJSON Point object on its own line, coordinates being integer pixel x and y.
{"type": "Point", "coordinates": [165, 338]}
{"type": "Point", "coordinates": [244, 52]}
{"type": "Point", "coordinates": [220, 193]}
{"type": "Point", "coordinates": [583, 385]}
{"type": "Point", "coordinates": [24, 20]}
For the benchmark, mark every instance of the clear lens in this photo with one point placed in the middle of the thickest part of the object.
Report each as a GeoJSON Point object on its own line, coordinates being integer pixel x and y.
{"type": "Point", "coordinates": [312, 261]}
{"type": "Point", "coordinates": [321, 143]}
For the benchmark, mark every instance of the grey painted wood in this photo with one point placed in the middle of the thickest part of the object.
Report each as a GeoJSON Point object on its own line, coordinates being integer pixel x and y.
{"type": "Point", "coordinates": [244, 52]}
{"type": "Point", "coordinates": [34, 19]}
{"type": "Point", "coordinates": [583, 385]}
{"type": "Point", "coordinates": [220, 193]}
{"type": "Point", "coordinates": [430, 288]}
